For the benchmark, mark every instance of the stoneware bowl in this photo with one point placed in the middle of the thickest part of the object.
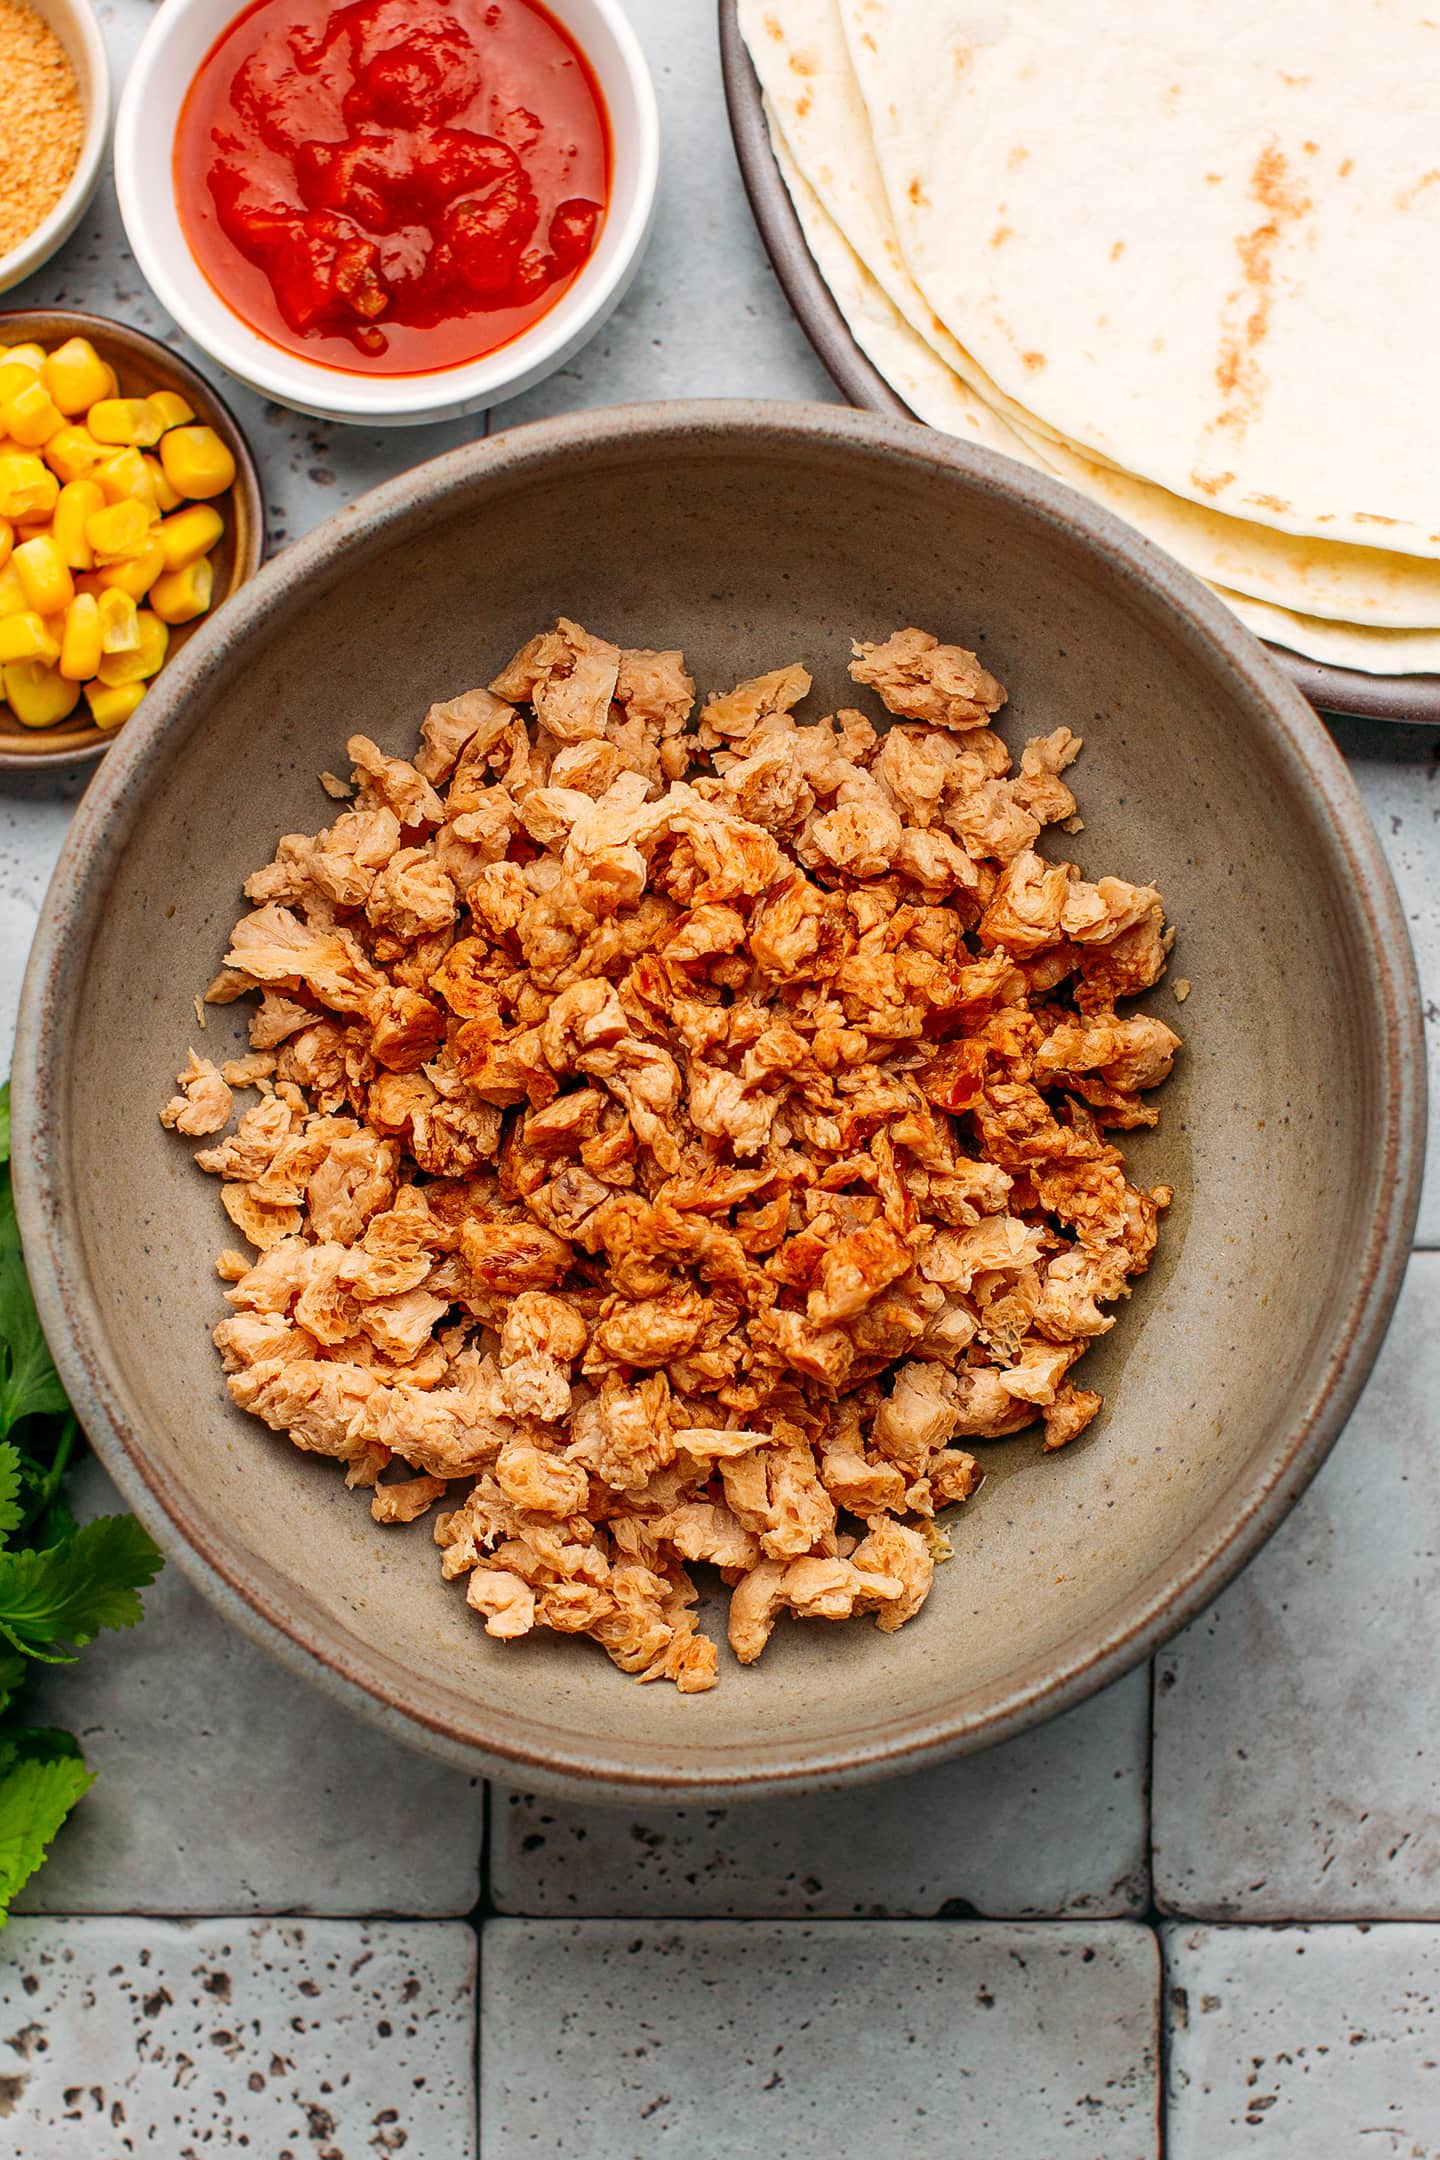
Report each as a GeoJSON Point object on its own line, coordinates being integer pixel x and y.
{"type": "Point", "coordinates": [752, 535]}
{"type": "Point", "coordinates": [142, 364]}
{"type": "Point", "coordinates": [177, 42]}
{"type": "Point", "coordinates": [77, 27]}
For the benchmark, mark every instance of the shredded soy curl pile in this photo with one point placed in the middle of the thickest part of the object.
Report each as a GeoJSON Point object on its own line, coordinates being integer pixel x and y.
{"type": "Point", "coordinates": [680, 1135]}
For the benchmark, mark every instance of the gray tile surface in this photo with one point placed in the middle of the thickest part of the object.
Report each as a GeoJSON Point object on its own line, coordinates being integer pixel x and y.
{"type": "Point", "coordinates": [1303, 2043]}
{"type": "Point", "coordinates": [1052, 1823]}
{"type": "Point", "coordinates": [623, 2040]}
{"type": "Point", "coordinates": [226, 1785]}
{"type": "Point", "coordinates": [1397, 769]}
{"type": "Point", "coordinates": [35, 812]}
{"type": "Point", "coordinates": [1297, 1763]}
{"type": "Point", "coordinates": [328, 2039]}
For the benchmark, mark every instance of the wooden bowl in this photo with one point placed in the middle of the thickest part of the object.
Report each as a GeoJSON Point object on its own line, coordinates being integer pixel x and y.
{"type": "Point", "coordinates": [142, 364]}
{"type": "Point", "coordinates": [750, 535]}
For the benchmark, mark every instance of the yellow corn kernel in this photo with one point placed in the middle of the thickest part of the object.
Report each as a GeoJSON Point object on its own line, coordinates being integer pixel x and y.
{"type": "Point", "coordinates": [7, 541]}
{"type": "Point", "coordinates": [78, 501]}
{"type": "Point", "coordinates": [31, 356]}
{"type": "Point", "coordinates": [26, 637]}
{"type": "Point", "coordinates": [111, 703]}
{"type": "Point", "coordinates": [169, 408]}
{"type": "Point", "coordinates": [189, 534]}
{"type": "Point", "coordinates": [15, 375]}
{"type": "Point", "coordinates": [124, 478]}
{"type": "Point", "coordinates": [181, 595]}
{"type": "Point", "coordinates": [119, 622]}
{"type": "Point", "coordinates": [39, 695]}
{"type": "Point", "coordinates": [123, 420]}
{"type": "Point", "coordinates": [45, 575]}
{"type": "Point", "coordinates": [27, 489]}
{"type": "Point", "coordinates": [119, 532]}
{"type": "Point", "coordinates": [76, 376]}
{"type": "Point", "coordinates": [80, 647]}
{"type": "Point", "coordinates": [146, 661]}
{"type": "Point", "coordinates": [73, 454]}
{"type": "Point", "coordinates": [196, 462]}
{"type": "Point", "coordinates": [165, 496]}
{"type": "Point", "coordinates": [31, 415]}
{"type": "Point", "coordinates": [135, 577]}
{"type": "Point", "coordinates": [12, 593]}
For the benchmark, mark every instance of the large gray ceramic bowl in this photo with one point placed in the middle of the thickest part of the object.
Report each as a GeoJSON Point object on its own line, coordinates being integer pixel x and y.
{"type": "Point", "coordinates": [751, 535]}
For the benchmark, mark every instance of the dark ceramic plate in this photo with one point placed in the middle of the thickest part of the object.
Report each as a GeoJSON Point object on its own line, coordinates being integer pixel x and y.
{"type": "Point", "coordinates": [1331, 689]}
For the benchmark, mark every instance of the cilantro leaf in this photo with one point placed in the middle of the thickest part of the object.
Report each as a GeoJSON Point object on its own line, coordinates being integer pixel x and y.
{"type": "Point", "coordinates": [59, 1585]}
{"type": "Point", "coordinates": [11, 1477]}
{"type": "Point", "coordinates": [13, 1670]}
{"type": "Point", "coordinates": [67, 1594]}
{"type": "Point", "coordinates": [36, 1795]}
{"type": "Point", "coordinates": [34, 1743]}
{"type": "Point", "coordinates": [29, 1383]}
{"type": "Point", "coordinates": [52, 1526]}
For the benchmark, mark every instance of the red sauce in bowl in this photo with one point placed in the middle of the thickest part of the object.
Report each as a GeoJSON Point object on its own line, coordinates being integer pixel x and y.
{"type": "Point", "coordinates": [392, 186]}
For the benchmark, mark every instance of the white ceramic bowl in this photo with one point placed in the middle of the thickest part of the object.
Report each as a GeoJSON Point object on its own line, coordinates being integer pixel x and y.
{"type": "Point", "coordinates": [176, 44]}
{"type": "Point", "coordinates": [73, 22]}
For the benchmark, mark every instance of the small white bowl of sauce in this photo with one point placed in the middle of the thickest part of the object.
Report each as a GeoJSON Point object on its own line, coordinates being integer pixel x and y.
{"type": "Point", "coordinates": [388, 211]}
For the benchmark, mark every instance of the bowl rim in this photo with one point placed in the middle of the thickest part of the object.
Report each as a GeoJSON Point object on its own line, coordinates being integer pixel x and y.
{"type": "Point", "coordinates": [79, 322]}
{"type": "Point", "coordinates": [517, 1748]}
{"type": "Point", "coordinates": [382, 400]}
{"type": "Point", "coordinates": [1413, 699]}
{"type": "Point", "coordinates": [37, 247]}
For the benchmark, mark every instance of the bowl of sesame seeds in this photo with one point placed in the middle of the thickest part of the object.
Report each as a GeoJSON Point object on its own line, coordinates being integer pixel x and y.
{"type": "Point", "coordinates": [54, 125]}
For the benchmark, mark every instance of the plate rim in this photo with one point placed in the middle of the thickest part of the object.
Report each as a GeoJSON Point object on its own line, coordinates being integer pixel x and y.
{"type": "Point", "coordinates": [1410, 699]}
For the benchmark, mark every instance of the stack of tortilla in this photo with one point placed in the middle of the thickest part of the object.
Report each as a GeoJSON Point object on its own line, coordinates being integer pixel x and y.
{"type": "Point", "coordinates": [1187, 260]}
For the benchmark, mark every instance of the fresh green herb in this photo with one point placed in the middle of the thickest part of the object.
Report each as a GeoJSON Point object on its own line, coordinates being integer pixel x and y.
{"type": "Point", "coordinates": [59, 1583]}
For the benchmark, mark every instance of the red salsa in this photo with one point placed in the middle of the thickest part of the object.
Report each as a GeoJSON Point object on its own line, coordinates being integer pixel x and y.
{"type": "Point", "coordinates": [396, 185]}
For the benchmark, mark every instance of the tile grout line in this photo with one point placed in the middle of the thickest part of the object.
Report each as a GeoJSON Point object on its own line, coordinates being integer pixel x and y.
{"type": "Point", "coordinates": [1148, 1796]}
{"type": "Point", "coordinates": [1162, 2048]}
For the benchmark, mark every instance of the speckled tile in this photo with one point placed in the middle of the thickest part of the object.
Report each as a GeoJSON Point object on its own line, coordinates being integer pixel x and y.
{"type": "Point", "coordinates": [1397, 769]}
{"type": "Point", "coordinates": [1297, 1767]}
{"type": "Point", "coordinates": [35, 813]}
{"type": "Point", "coordinates": [226, 1785]}
{"type": "Point", "coordinates": [705, 316]}
{"type": "Point", "coordinates": [281, 2038]}
{"type": "Point", "coordinates": [1303, 2043]}
{"type": "Point", "coordinates": [1053, 1824]}
{"type": "Point", "coordinates": [623, 2040]}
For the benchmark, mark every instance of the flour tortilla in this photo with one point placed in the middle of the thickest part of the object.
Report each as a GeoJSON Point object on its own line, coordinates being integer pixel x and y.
{"type": "Point", "coordinates": [1261, 341]}
{"type": "Point", "coordinates": [812, 99]}
{"type": "Point", "coordinates": [937, 396]}
{"type": "Point", "coordinates": [1374, 652]}
{"type": "Point", "coordinates": [934, 392]}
